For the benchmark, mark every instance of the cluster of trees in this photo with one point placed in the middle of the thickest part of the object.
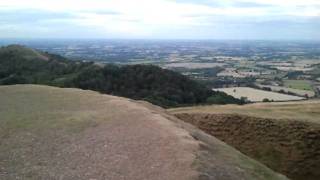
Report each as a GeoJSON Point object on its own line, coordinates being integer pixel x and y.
{"type": "Point", "coordinates": [142, 82]}
{"type": "Point", "coordinates": [203, 72]}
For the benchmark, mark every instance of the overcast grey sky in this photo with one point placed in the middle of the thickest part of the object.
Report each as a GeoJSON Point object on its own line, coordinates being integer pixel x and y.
{"type": "Point", "coordinates": [161, 19]}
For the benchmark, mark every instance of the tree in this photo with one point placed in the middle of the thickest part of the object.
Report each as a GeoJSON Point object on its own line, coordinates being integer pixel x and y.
{"type": "Point", "coordinates": [265, 100]}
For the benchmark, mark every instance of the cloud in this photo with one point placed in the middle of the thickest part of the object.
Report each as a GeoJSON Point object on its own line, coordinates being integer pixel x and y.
{"type": "Point", "coordinates": [252, 5]}
{"type": "Point", "coordinates": [31, 16]}
{"type": "Point", "coordinates": [159, 18]}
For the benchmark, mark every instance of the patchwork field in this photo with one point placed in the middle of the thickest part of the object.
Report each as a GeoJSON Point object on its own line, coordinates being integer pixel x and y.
{"type": "Point", "coordinates": [194, 65]}
{"type": "Point", "coordinates": [298, 84]}
{"type": "Point", "coordinates": [256, 95]}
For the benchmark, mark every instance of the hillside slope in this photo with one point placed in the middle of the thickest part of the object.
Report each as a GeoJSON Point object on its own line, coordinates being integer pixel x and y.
{"type": "Point", "coordinates": [284, 136]}
{"type": "Point", "coordinates": [56, 133]}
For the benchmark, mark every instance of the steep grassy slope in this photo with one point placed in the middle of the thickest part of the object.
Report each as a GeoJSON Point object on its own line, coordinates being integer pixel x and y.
{"type": "Point", "coordinates": [284, 136]}
{"type": "Point", "coordinates": [55, 133]}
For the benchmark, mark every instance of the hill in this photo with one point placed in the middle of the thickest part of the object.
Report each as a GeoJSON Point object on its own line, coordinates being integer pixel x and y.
{"type": "Point", "coordinates": [22, 65]}
{"type": "Point", "coordinates": [284, 136]}
{"type": "Point", "coordinates": [24, 52]}
{"type": "Point", "coordinates": [59, 133]}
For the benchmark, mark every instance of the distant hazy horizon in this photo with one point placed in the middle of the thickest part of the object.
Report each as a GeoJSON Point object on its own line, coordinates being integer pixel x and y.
{"type": "Point", "coordinates": [161, 19]}
{"type": "Point", "coordinates": [39, 39]}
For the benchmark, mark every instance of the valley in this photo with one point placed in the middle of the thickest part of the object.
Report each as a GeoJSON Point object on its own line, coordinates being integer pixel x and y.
{"type": "Point", "coordinates": [159, 90]}
{"type": "Point", "coordinates": [250, 125]}
{"type": "Point", "coordinates": [285, 67]}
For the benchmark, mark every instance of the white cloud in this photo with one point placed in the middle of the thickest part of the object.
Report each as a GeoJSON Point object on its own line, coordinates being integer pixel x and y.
{"type": "Point", "coordinates": [155, 8]}
{"type": "Point", "coordinates": [147, 17]}
{"type": "Point", "coordinates": [284, 2]}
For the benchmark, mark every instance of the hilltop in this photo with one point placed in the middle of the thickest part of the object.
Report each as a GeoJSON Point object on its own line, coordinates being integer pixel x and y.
{"type": "Point", "coordinates": [24, 52]}
{"type": "Point", "coordinates": [60, 133]}
{"type": "Point", "coordinates": [22, 65]}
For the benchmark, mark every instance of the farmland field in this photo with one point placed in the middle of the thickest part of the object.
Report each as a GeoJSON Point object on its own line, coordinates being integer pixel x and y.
{"type": "Point", "coordinates": [299, 92]}
{"type": "Point", "coordinates": [255, 95]}
{"type": "Point", "coordinates": [298, 84]}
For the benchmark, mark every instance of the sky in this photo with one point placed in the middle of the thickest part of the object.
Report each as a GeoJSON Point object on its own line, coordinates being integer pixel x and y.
{"type": "Point", "coordinates": [161, 19]}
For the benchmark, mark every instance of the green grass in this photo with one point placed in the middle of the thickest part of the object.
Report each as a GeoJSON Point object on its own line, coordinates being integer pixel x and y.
{"type": "Point", "coordinates": [298, 84]}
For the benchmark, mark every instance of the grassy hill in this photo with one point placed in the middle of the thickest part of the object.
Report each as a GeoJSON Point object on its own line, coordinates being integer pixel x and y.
{"type": "Point", "coordinates": [24, 52]}
{"type": "Point", "coordinates": [22, 65]}
{"type": "Point", "coordinates": [61, 133]}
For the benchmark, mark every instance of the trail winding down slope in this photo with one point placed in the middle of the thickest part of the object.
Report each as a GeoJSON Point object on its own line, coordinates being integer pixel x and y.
{"type": "Point", "coordinates": [55, 133]}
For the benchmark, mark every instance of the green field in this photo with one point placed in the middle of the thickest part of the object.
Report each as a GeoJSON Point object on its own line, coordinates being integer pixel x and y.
{"type": "Point", "coordinates": [298, 84]}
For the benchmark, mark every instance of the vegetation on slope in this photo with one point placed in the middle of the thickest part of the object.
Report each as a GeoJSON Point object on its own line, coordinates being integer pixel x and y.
{"type": "Point", "coordinates": [21, 65]}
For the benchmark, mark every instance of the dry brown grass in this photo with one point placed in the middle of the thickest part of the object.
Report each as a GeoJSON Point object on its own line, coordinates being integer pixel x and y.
{"type": "Point", "coordinates": [54, 133]}
{"type": "Point", "coordinates": [300, 110]}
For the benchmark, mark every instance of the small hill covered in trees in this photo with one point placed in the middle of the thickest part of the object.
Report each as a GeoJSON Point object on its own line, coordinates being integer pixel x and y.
{"type": "Point", "coordinates": [22, 65]}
